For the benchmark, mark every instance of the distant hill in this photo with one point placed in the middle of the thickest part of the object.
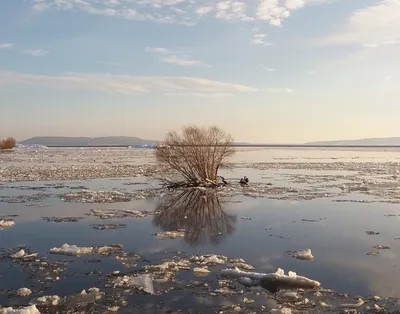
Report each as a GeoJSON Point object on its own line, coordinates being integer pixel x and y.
{"type": "Point", "coordinates": [388, 141]}
{"type": "Point", "coordinates": [87, 141]}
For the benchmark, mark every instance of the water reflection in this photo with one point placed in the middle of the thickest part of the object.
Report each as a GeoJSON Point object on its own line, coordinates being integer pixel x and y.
{"type": "Point", "coordinates": [197, 211]}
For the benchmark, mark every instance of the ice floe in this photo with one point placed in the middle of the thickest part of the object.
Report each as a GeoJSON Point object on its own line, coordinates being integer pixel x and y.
{"type": "Point", "coordinates": [74, 250]}
{"type": "Point", "coordinates": [32, 309]}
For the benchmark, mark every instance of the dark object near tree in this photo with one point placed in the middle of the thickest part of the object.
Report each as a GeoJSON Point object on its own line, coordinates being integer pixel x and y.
{"type": "Point", "coordinates": [196, 154]}
{"type": "Point", "coordinates": [244, 180]}
{"type": "Point", "coordinates": [9, 143]}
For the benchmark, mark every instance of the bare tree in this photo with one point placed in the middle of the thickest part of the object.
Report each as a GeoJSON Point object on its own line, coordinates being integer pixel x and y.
{"type": "Point", "coordinates": [197, 153]}
{"type": "Point", "coordinates": [9, 143]}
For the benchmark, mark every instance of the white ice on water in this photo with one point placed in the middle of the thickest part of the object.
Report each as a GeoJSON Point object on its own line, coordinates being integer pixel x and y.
{"type": "Point", "coordinates": [304, 255]}
{"type": "Point", "coordinates": [6, 224]}
{"type": "Point", "coordinates": [26, 310]}
{"type": "Point", "coordinates": [170, 235]}
{"type": "Point", "coordinates": [24, 292]}
{"type": "Point", "coordinates": [142, 282]}
{"type": "Point", "coordinates": [278, 276]}
{"type": "Point", "coordinates": [73, 250]}
{"type": "Point", "coordinates": [19, 254]}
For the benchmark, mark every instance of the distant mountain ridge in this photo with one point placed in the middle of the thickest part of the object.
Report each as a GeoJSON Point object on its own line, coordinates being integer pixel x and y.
{"type": "Point", "coordinates": [386, 141]}
{"type": "Point", "coordinates": [87, 141]}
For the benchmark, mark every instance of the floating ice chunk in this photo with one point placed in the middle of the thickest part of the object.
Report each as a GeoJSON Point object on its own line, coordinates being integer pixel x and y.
{"type": "Point", "coordinates": [142, 282]}
{"type": "Point", "coordinates": [248, 282]}
{"type": "Point", "coordinates": [6, 224]}
{"type": "Point", "coordinates": [170, 235]}
{"type": "Point", "coordinates": [284, 310]}
{"type": "Point", "coordinates": [24, 292]}
{"type": "Point", "coordinates": [47, 300]}
{"type": "Point", "coordinates": [278, 278]}
{"type": "Point", "coordinates": [19, 254]}
{"type": "Point", "coordinates": [200, 271]}
{"type": "Point", "coordinates": [353, 306]}
{"type": "Point", "coordinates": [73, 250]}
{"type": "Point", "coordinates": [304, 255]}
{"type": "Point", "coordinates": [67, 249]}
{"type": "Point", "coordinates": [25, 310]}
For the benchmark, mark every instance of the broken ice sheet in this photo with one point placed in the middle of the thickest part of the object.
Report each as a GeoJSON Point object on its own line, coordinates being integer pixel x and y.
{"type": "Point", "coordinates": [73, 250]}
{"type": "Point", "coordinates": [140, 282]}
{"type": "Point", "coordinates": [273, 280]}
{"type": "Point", "coordinates": [116, 213]}
{"type": "Point", "coordinates": [32, 309]}
{"type": "Point", "coordinates": [170, 235]}
{"type": "Point", "coordinates": [108, 226]}
{"type": "Point", "coordinates": [62, 219]}
{"type": "Point", "coordinates": [6, 224]}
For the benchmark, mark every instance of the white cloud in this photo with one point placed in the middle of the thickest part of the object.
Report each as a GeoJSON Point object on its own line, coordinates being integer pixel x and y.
{"type": "Point", "coordinates": [6, 46]}
{"type": "Point", "coordinates": [259, 39]}
{"type": "Point", "coordinates": [36, 52]}
{"type": "Point", "coordinates": [183, 61]}
{"type": "Point", "coordinates": [171, 58]}
{"type": "Point", "coordinates": [123, 83]}
{"type": "Point", "coordinates": [270, 70]}
{"type": "Point", "coordinates": [204, 10]}
{"type": "Point", "coordinates": [230, 10]}
{"type": "Point", "coordinates": [186, 12]}
{"type": "Point", "coordinates": [312, 72]}
{"type": "Point", "coordinates": [371, 27]}
{"type": "Point", "coordinates": [156, 50]}
{"type": "Point", "coordinates": [276, 11]}
{"type": "Point", "coordinates": [280, 90]}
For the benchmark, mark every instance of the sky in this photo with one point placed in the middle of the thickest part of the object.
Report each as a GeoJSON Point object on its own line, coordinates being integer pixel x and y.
{"type": "Point", "coordinates": [266, 71]}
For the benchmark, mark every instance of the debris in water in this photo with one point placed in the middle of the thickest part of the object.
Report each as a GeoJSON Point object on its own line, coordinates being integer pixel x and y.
{"type": "Point", "coordinates": [373, 253]}
{"type": "Point", "coordinates": [381, 247]}
{"type": "Point", "coordinates": [372, 232]}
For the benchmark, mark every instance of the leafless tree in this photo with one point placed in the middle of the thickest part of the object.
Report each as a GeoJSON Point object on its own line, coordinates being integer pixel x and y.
{"type": "Point", "coordinates": [197, 153]}
{"type": "Point", "coordinates": [199, 212]}
{"type": "Point", "coordinates": [9, 143]}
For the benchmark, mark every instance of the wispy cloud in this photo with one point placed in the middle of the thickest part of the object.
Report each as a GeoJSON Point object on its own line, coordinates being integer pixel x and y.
{"type": "Point", "coordinates": [201, 95]}
{"type": "Point", "coordinates": [36, 52]}
{"type": "Point", "coordinates": [123, 83]}
{"type": "Point", "coordinates": [280, 90]}
{"type": "Point", "coordinates": [259, 39]}
{"type": "Point", "coordinates": [312, 72]}
{"type": "Point", "coordinates": [180, 60]}
{"type": "Point", "coordinates": [6, 46]}
{"type": "Point", "coordinates": [371, 27]}
{"type": "Point", "coordinates": [186, 12]}
{"type": "Point", "coordinates": [156, 50]}
{"type": "Point", "coordinates": [183, 61]}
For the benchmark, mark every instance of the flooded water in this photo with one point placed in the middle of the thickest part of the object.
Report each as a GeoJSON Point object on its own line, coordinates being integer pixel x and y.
{"type": "Point", "coordinates": [321, 207]}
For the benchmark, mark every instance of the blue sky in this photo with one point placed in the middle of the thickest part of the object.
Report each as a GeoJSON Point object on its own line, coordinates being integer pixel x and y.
{"type": "Point", "coordinates": [272, 71]}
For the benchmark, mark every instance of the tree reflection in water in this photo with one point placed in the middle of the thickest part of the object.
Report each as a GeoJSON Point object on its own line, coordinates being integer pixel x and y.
{"type": "Point", "coordinates": [198, 212]}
